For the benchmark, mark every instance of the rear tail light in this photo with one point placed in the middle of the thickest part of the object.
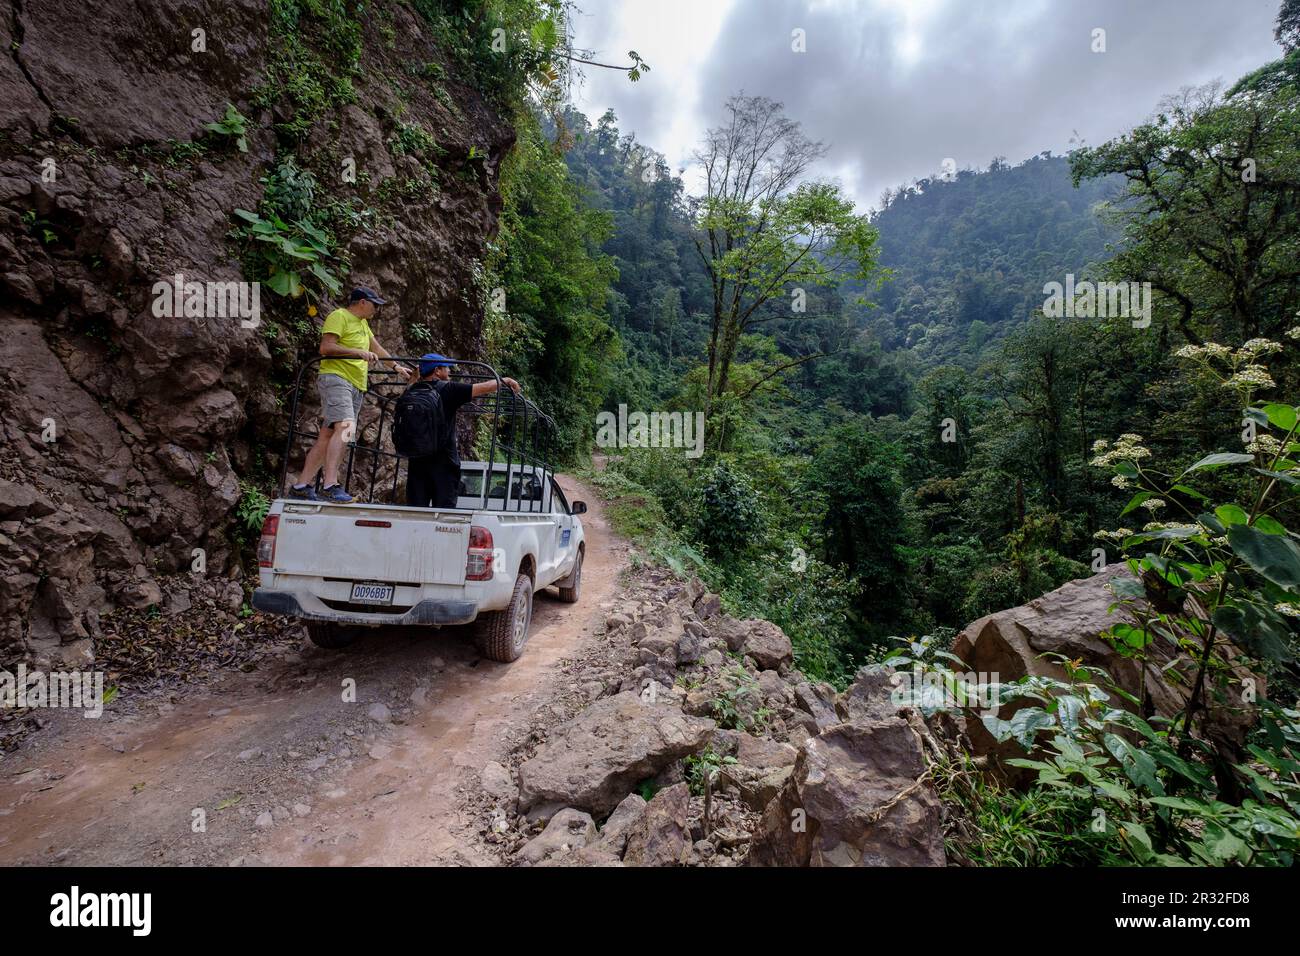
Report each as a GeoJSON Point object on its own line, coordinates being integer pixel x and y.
{"type": "Point", "coordinates": [266, 544]}
{"type": "Point", "coordinates": [478, 562]}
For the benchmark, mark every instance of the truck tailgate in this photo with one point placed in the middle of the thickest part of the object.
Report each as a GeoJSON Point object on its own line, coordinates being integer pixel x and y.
{"type": "Point", "coordinates": [372, 543]}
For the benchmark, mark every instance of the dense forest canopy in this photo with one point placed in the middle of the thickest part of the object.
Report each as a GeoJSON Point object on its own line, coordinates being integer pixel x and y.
{"type": "Point", "coordinates": [917, 375]}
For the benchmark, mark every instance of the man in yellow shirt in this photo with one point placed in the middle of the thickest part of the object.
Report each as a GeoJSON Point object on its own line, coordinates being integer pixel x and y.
{"type": "Point", "coordinates": [350, 348]}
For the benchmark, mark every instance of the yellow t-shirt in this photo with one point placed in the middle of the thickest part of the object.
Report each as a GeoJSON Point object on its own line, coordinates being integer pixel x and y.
{"type": "Point", "coordinates": [354, 333]}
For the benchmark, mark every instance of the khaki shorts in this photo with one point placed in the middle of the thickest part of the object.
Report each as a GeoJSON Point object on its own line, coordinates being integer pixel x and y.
{"type": "Point", "coordinates": [340, 400]}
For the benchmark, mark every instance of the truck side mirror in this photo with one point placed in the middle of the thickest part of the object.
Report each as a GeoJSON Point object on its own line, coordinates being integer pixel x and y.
{"type": "Point", "coordinates": [578, 508]}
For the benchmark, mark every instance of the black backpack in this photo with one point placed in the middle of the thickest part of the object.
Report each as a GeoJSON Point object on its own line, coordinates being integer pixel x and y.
{"type": "Point", "coordinates": [419, 426]}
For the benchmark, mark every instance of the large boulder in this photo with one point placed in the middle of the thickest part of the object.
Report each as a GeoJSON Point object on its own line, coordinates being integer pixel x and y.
{"type": "Point", "coordinates": [598, 757]}
{"type": "Point", "coordinates": [1069, 621]}
{"type": "Point", "coordinates": [857, 797]}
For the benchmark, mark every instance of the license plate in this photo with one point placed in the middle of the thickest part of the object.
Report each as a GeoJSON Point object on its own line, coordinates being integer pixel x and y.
{"type": "Point", "coordinates": [363, 593]}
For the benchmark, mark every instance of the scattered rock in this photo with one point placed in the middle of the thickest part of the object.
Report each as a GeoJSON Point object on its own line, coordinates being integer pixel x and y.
{"type": "Point", "coordinates": [600, 755]}
{"type": "Point", "coordinates": [871, 695]}
{"type": "Point", "coordinates": [661, 837]}
{"type": "Point", "coordinates": [857, 797]}
{"type": "Point", "coordinates": [568, 830]}
{"type": "Point", "coordinates": [613, 835]}
{"type": "Point", "coordinates": [768, 645]}
{"type": "Point", "coordinates": [499, 785]}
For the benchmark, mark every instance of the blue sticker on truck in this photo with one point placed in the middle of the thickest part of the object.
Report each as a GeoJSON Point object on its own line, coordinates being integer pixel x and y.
{"type": "Point", "coordinates": [564, 538]}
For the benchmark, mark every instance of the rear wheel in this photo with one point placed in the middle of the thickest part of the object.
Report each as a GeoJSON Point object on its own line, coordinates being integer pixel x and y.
{"type": "Point", "coordinates": [570, 593]}
{"type": "Point", "coordinates": [332, 636]}
{"type": "Point", "coordinates": [502, 634]}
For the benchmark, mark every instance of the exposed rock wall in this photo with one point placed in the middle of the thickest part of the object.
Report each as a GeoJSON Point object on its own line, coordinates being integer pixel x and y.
{"type": "Point", "coordinates": [125, 435]}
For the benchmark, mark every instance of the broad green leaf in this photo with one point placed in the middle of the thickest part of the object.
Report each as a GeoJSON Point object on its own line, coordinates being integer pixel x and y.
{"type": "Point", "coordinates": [1231, 514]}
{"type": "Point", "coordinates": [1276, 557]}
{"type": "Point", "coordinates": [1256, 629]}
{"type": "Point", "coordinates": [1221, 459]}
{"type": "Point", "coordinates": [1269, 525]}
{"type": "Point", "coordinates": [1136, 501]}
{"type": "Point", "coordinates": [1179, 803]}
{"type": "Point", "coordinates": [1138, 839]}
{"type": "Point", "coordinates": [1282, 476]}
{"type": "Point", "coordinates": [1026, 723]}
{"type": "Point", "coordinates": [1281, 416]}
{"type": "Point", "coordinates": [1224, 845]}
{"type": "Point", "coordinates": [282, 283]}
{"type": "Point", "coordinates": [1138, 766]}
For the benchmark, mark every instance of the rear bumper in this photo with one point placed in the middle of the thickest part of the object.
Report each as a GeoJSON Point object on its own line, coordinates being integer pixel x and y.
{"type": "Point", "coordinates": [308, 607]}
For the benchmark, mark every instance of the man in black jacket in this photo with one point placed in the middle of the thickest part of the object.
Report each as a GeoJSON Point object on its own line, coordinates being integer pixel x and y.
{"type": "Point", "coordinates": [433, 482]}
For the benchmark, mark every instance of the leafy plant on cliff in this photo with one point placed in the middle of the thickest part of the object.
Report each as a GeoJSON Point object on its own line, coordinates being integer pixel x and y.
{"type": "Point", "coordinates": [289, 258]}
{"type": "Point", "coordinates": [234, 125]}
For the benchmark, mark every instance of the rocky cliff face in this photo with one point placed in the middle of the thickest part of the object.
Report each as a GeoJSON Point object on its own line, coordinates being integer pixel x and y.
{"type": "Point", "coordinates": [126, 435]}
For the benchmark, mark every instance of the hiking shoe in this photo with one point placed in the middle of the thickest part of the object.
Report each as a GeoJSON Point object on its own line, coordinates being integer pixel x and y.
{"type": "Point", "coordinates": [336, 494]}
{"type": "Point", "coordinates": [307, 492]}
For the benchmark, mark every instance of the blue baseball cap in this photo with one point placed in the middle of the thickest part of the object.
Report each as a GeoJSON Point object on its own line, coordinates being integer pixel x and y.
{"type": "Point", "coordinates": [433, 360]}
{"type": "Point", "coordinates": [362, 292]}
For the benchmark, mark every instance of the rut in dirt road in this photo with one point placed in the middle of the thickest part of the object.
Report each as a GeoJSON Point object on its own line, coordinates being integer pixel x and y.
{"type": "Point", "coordinates": [275, 767]}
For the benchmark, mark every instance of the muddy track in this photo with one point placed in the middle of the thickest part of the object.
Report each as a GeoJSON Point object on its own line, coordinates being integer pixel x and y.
{"type": "Point", "coordinates": [286, 771]}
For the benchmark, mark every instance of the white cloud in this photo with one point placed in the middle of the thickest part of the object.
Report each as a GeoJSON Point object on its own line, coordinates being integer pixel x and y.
{"type": "Point", "coordinates": [895, 86]}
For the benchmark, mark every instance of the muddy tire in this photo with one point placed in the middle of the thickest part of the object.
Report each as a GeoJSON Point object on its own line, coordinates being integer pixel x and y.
{"type": "Point", "coordinates": [570, 594]}
{"type": "Point", "coordinates": [502, 634]}
{"type": "Point", "coordinates": [332, 636]}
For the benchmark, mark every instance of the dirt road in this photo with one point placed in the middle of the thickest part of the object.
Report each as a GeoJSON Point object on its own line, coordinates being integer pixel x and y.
{"type": "Point", "coordinates": [276, 767]}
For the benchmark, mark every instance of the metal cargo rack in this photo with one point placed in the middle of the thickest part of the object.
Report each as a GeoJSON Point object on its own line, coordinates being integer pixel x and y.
{"type": "Point", "coordinates": [520, 435]}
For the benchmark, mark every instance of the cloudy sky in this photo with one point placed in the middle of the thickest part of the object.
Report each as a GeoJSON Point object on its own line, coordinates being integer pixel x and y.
{"type": "Point", "coordinates": [895, 87]}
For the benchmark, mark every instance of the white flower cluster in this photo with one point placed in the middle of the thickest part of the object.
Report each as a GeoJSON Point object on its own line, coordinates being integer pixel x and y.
{"type": "Point", "coordinates": [1119, 534]}
{"type": "Point", "coordinates": [1258, 347]}
{"type": "Point", "coordinates": [1250, 377]}
{"type": "Point", "coordinates": [1264, 445]}
{"type": "Point", "coordinates": [1209, 351]}
{"type": "Point", "coordinates": [1169, 526]}
{"type": "Point", "coordinates": [1127, 447]}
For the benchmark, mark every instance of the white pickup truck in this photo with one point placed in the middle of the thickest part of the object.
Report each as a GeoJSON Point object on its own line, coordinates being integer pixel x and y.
{"type": "Point", "coordinates": [341, 568]}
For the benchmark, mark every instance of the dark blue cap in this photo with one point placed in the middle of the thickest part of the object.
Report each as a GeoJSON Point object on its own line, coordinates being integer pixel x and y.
{"type": "Point", "coordinates": [431, 361]}
{"type": "Point", "coordinates": [362, 292]}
